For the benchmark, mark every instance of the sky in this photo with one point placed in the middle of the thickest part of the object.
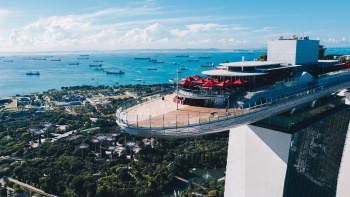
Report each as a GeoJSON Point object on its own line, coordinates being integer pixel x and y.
{"type": "Point", "coordinates": [85, 25]}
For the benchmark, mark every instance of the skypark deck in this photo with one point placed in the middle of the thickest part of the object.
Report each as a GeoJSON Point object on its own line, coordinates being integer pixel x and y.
{"type": "Point", "coordinates": [165, 114]}
{"type": "Point", "coordinates": [155, 117]}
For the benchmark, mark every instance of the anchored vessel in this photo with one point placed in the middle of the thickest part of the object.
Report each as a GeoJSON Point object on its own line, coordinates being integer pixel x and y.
{"type": "Point", "coordinates": [155, 61]}
{"type": "Point", "coordinates": [33, 73]}
{"type": "Point", "coordinates": [239, 93]}
{"type": "Point", "coordinates": [115, 72]}
{"type": "Point", "coordinates": [39, 58]}
{"type": "Point", "coordinates": [142, 58]}
{"type": "Point", "coordinates": [73, 63]}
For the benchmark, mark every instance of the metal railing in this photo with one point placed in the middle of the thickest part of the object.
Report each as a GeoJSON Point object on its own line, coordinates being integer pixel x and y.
{"type": "Point", "coordinates": [206, 92]}
{"type": "Point", "coordinates": [220, 117]}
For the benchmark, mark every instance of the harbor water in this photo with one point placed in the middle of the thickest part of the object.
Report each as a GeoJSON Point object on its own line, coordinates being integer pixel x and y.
{"type": "Point", "coordinates": [56, 69]}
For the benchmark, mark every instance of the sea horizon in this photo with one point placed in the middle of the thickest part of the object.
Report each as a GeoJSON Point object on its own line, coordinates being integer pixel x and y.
{"type": "Point", "coordinates": [57, 74]}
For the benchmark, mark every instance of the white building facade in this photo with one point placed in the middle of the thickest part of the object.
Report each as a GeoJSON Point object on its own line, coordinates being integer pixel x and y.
{"type": "Point", "coordinates": [294, 51]}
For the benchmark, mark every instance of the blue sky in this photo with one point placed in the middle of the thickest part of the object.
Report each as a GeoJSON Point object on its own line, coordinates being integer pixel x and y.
{"type": "Point", "coordinates": [43, 25]}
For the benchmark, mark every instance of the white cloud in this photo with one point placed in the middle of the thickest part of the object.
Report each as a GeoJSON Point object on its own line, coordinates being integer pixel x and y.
{"type": "Point", "coordinates": [149, 37]}
{"type": "Point", "coordinates": [195, 28]}
{"type": "Point", "coordinates": [5, 12]}
{"type": "Point", "coordinates": [265, 29]}
{"type": "Point", "coordinates": [336, 40]}
{"type": "Point", "coordinates": [137, 27]}
{"type": "Point", "coordinates": [239, 28]}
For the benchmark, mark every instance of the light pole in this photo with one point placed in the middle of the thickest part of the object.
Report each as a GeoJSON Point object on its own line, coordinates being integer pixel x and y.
{"type": "Point", "coordinates": [228, 103]}
{"type": "Point", "coordinates": [177, 90]}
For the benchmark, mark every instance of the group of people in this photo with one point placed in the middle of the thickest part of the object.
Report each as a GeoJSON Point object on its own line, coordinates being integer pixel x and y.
{"type": "Point", "coordinates": [181, 100]}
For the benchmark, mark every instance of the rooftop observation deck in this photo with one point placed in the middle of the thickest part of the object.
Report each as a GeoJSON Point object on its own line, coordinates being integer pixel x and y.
{"type": "Point", "coordinates": [154, 117]}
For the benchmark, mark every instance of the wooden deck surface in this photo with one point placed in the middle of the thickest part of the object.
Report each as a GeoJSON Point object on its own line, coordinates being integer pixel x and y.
{"type": "Point", "coordinates": [153, 113]}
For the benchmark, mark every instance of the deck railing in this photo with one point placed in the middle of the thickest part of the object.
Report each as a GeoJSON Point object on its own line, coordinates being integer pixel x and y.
{"type": "Point", "coordinates": [205, 92]}
{"type": "Point", "coordinates": [185, 118]}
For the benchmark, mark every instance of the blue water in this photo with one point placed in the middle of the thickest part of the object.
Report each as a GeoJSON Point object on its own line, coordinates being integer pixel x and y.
{"type": "Point", "coordinates": [55, 74]}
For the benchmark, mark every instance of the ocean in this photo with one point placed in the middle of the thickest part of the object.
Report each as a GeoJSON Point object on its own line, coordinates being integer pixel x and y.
{"type": "Point", "coordinates": [57, 74]}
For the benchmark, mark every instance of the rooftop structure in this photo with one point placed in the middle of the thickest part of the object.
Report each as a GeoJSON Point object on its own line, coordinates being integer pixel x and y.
{"type": "Point", "coordinates": [223, 99]}
{"type": "Point", "coordinates": [295, 50]}
{"type": "Point", "coordinates": [269, 108]}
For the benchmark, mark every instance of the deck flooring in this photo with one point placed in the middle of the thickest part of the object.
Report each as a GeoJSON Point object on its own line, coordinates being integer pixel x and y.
{"type": "Point", "coordinates": [163, 113]}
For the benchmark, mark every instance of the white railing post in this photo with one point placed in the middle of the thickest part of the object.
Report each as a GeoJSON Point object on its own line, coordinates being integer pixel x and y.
{"type": "Point", "coordinates": [150, 125]}
{"type": "Point", "coordinates": [176, 123]}
{"type": "Point", "coordinates": [188, 119]}
{"type": "Point", "coordinates": [163, 125]}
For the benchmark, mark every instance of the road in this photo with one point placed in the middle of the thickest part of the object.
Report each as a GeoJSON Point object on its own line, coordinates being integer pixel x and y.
{"type": "Point", "coordinates": [187, 181]}
{"type": "Point", "coordinates": [39, 191]}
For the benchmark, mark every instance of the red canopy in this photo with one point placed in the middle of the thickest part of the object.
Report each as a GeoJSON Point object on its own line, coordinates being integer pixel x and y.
{"type": "Point", "coordinates": [229, 82]}
{"type": "Point", "coordinates": [216, 81]}
{"type": "Point", "coordinates": [188, 78]}
{"type": "Point", "coordinates": [237, 82]}
{"type": "Point", "coordinates": [206, 80]}
{"type": "Point", "coordinates": [208, 85]}
{"type": "Point", "coordinates": [199, 81]}
{"type": "Point", "coordinates": [223, 84]}
{"type": "Point", "coordinates": [185, 82]}
{"type": "Point", "coordinates": [196, 77]}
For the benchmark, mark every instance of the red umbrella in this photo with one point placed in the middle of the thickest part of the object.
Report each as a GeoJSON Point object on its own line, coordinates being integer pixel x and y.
{"type": "Point", "coordinates": [237, 82]}
{"type": "Point", "coordinates": [206, 80]}
{"type": "Point", "coordinates": [196, 77]}
{"type": "Point", "coordinates": [208, 85]}
{"type": "Point", "coordinates": [229, 82]}
{"type": "Point", "coordinates": [185, 82]}
{"type": "Point", "coordinates": [188, 78]}
{"type": "Point", "coordinates": [199, 81]}
{"type": "Point", "coordinates": [216, 81]}
{"type": "Point", "coordinates": [223, 84]}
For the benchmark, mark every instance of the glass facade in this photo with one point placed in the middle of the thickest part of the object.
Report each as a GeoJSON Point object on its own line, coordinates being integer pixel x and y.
{"type": "Point", "coordinates": [318, 137]}
{"type": "Point", "coordinates": [315, 157]}
{"type": "Point", "coordinates": [302, 117]}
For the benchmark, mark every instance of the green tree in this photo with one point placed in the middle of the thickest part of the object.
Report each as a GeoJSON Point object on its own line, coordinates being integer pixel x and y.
{"type": "Point", "coordinates": [321, 51]}
{"type": "Point", "coordinates": [342, 59]}
{"type": "Point", "coordinates": [213, 193]}
{"type": "Point", "coordinates": [262, 57]}
{"type": "Point", "coordinates": [3, 192]}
